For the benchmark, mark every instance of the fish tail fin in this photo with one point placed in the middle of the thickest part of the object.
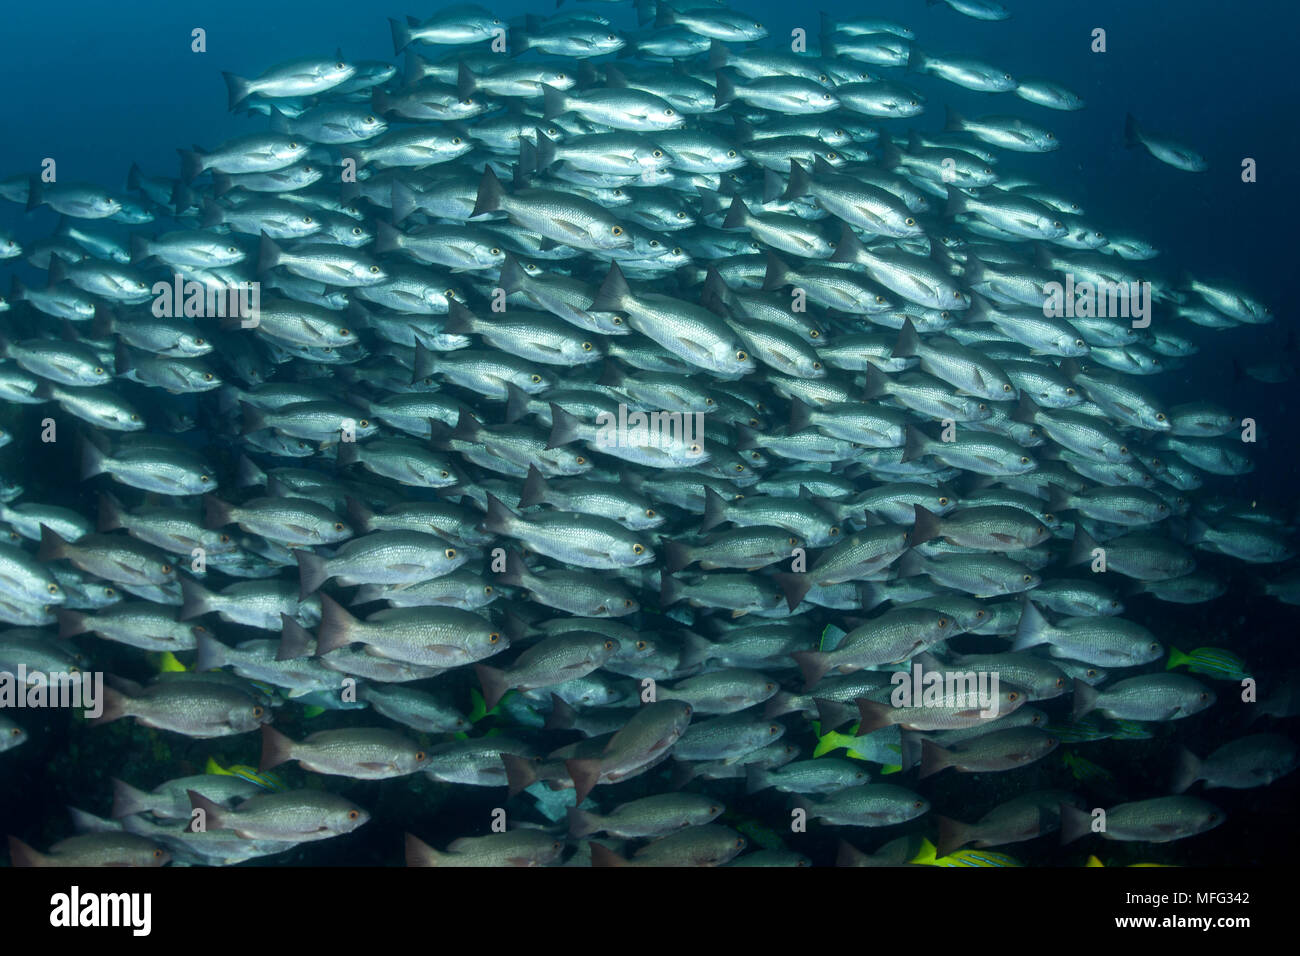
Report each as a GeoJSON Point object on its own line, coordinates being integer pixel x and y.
{"type": "Point", "coordinates": [127, 800]}
{"type": "Point", "coordinates": [794, 585]}
{"type": "Point", "coordinates": [490, 194]}
{"type": "Point", "coordinates": [115, 705]}
{"type": "Point", "coordinates": [401, 35]}
{"type": "Point", "coordinates": [872, 715]}
{"type": "Point", "coordinates": [933, 758]}
{"type": "Point", "coordinates": [953, 835]}
{"type": "Point", "coordinates": [191, 164]}
{"type": "Point", "coordinates": [295, 640]}
{"type": "Point", "coordinates": [313, 571]}
{"type": "Point", "coordinates": [1187, 770]}
{"type": "Point", "coordinates": [602, 855]}
{"type": "Point", "coordinates": [521, 773]}
{"type": "Point", "coordinates": [194, 599]}
{"type": "Point", "coordinates": [20, 854]}
{"type": "Point", "coordinates": [495, 683]}
{"type": "Point", "coordinates": [564, 427]}
{"type": "Point", "coordinates": [585, 774]}
{"type": "Point", "coordinates": [419, 853]}
{"type": "Point", "coordinates": [1075, 823]}
{"type": "Point", "coordinates": [276, 749]}
{"type": "Point", "coordinates": [336, 626]}
{"type": "Point", "coordinates": [582, 823]}
{"type": "Point", "coordinates": [211, 653]}
{"type": "Point", "coordinates": [813, 665]}
{"type": "Point", "coordinates": [1085, 699]}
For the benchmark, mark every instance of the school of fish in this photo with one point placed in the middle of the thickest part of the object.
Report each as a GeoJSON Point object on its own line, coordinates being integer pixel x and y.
{"type": "Point", "coordinates": [610, 413]}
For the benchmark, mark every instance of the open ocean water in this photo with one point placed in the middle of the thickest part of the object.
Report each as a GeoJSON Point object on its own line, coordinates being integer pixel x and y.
{"type": "Point", "coordinates": [100, 87]}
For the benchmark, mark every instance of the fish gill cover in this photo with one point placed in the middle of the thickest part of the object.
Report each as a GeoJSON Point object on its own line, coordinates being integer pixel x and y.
{"type": "Point", "coordinates": [648, 434]}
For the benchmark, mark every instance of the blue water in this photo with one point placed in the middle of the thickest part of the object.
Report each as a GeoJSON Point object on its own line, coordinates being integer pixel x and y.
{"type": "Point", "coordinates": [99, 86]}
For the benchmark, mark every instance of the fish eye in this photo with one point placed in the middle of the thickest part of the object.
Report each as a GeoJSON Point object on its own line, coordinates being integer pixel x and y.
{"type": "Point", "coordinates": [134, 417]}
{"type": "Point", "coordinates": [444, 474]}
{"type": "Point", "coordinates": [449, 293]}
{"type": "Point", "coordinates": [638, 549]}
{"type": "Point", "coordinates": [52, 588]}
{"type": "Point", "coordinates": [1028, 578]}
{"type": "Point", "coordinates": [450, 553]}
{"type": "Point", "coordinates": [617, 230]}
{"type": "Point", "coordinates": [536, 379]}
{"type": "Point", "coordinates": [609, 645]}
{"type": "Point", "coordinates": [945, 315]}
{"type": "Point", "coordinates": [586, 346]}
{"type": "Point", "coordinates": [204, 479]}
{"type": "Point", "coordinates": [654, 243]}
{"type": "Point", "coordinates": [344, 332]}
{"type": "Point", "coordinates": [649, 512]}
{"type": "Point", "coordinates": [1155, 647]}
{"type": "Point", "coordinates": [1051, 136]}
{"type": "Point", "coordinates": [912, 103]}
{"type": "Point", "coordinates": [657, 153]}
{"type": "Point", "coordinates": [694, 449]}
{"type": "Point", "coordinates": [99, 370]}
{"type": "Point", "coordinates": [835, 530]}
{"type": "Point", "coordinates": [493, 637]}
{"type": "Point", "coordinates": [495, 251]}
{"type": "Point", "coordinates": [832, 157]}
{"type": "Point", "coordinates": [680, 214]}
{"type": "Point", "coordinates": [731, 154]}
{"type": "Point", "coordinates": [826, 96]}
{"type": "Point", "coordinates": [1006, 387]}
{"type": "Point", "coordinates": [455, 141]}
{"type": "Point", "coordinates": [1024, 459]}
{"type": "Point", "coordinates": [742, 356]}
{"type": "Point", "coordinates": [356, 230]}
{"type": "Point", "coordinates": [943, 622]}
{"type": "Point", "coordinates": [338, 526]}
{"type": "Point", "coordinates": [815, 333]}
{"type": "Point", "coordinates": [943, 501]}
{"type": "Point", "coordinates": [487, 589]}
{"type": "Point", "coordinates": [1123, 449]}
{"type": "Point", "coordinates": [880, 300]}
{"type": "Point", "coordinates": [739, 468]}
{"type": "Point", "coordinates": [676, 250]}
{"type": "Point", "coordinates": [207, 376]}
{"type": "Point", "coordinates": [225, 539]}
{"type": "Point", "coordinates": [1160, 416]}
{"type": "Point", "coordinates": [611, 37]}
{"type": "Point", "coordinates": [817, 366]}
{"type": "Point", "coordinates": [982, 407]}
{"type": "Point", "coordinates": [374, 270]}
{"type": "Point", "coordinates": [580, 460]}
{"type": "Point", "coordinates": [354, 814]}
{"type": "Point", "coordinates": [1069, 391]}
